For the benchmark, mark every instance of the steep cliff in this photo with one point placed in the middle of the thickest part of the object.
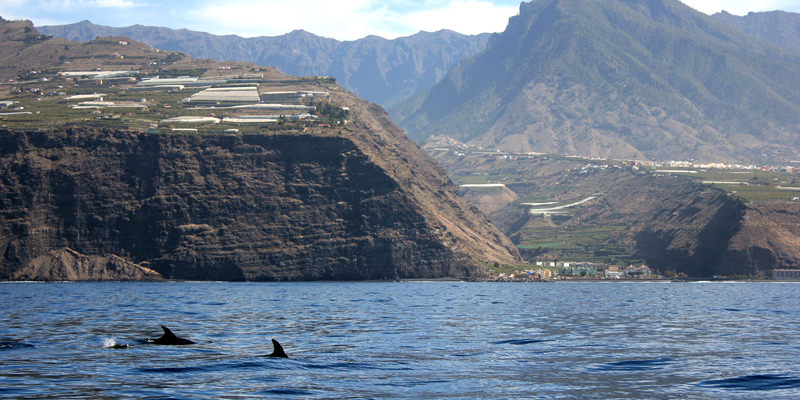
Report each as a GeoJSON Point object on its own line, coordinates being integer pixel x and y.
{"type": "Point", "coordinates": [233, 207]}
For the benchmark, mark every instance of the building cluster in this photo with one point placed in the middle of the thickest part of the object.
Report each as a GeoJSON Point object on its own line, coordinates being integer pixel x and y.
{"type": "Point", "coordinates": [792, 169]}
{"type": "Point", "coordinates": [786, 274]}
{"type": "Point", "coordinates": [552, 270]}
{"type": "Point", "coordinates": [448, 144]}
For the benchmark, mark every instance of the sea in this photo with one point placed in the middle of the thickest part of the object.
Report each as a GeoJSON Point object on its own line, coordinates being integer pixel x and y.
{"type": "Point", "coordinates": [402, 340]}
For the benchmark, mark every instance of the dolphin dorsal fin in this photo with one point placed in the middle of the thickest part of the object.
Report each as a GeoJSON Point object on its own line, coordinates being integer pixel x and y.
{"type": "Point", "coordinates": [167, 333]}
{"type": "Point", "coordinates": [278, 350]}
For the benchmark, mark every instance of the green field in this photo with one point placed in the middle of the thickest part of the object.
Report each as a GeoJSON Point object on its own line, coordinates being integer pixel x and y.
{"type": "Point", "coordinates": [749, 185]}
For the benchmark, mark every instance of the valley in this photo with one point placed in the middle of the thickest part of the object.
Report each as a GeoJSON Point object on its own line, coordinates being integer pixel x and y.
{"type": "Point", "coordinates": [676, 217]}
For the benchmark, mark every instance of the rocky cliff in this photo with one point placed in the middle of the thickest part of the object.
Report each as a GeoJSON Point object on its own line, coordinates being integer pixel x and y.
{"type": "Point", "coordinates": [230, 207]}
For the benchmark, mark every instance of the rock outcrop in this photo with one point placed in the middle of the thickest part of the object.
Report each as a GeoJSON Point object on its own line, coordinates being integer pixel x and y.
{"type": "Point", "coordinates": [69, 265]}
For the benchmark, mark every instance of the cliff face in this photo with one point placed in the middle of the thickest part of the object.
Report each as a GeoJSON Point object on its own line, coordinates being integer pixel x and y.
{"type": "Point", "coordinates": [226, 207]}
{"type": "Point", "coordinates": [769, 238]}
{"type": "Point", "coordinates": [690, 230]}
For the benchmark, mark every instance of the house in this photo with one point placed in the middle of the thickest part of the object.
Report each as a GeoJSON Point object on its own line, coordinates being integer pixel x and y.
{"type": "Point", "coordinates": [785, 274]}
{"type": "Point", "coordinates": [545, 273]}
{"type": "Point", "coordinates": [578, 271]}
{"type": "Point", "coordinates": [609, 274]}
{"type": "Point", "coordinates": [637, 272]}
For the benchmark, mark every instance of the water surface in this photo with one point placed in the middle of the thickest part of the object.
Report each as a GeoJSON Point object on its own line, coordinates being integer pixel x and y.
{"type": "Point", "coordinates": [402, 340]}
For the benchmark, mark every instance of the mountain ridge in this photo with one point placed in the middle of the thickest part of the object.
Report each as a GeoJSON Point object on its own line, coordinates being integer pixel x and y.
{"type": "Point", "coordinates": [619, 79]}
{"type": "Point", "coordinates": [781, 28]}
{"type": "Point", "coordinates": [381, 70]}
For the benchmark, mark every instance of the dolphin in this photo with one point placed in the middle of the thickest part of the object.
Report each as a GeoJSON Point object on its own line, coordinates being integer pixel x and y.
{"type": "Point", "coordinates": [277, 350]}
{"type": "Point", "coordinates": [169, 338]}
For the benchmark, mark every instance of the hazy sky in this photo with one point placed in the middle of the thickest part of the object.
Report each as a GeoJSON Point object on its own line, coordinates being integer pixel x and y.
{"type": "Point", "coordinates": [343, 19]}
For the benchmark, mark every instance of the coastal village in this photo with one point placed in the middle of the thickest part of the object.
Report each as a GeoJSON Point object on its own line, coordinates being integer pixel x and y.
{"type": "Point", "coordinates": [552, 270]}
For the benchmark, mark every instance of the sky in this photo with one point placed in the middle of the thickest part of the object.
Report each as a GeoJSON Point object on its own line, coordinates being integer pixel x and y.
{"type": "Point", "coordinates": [342, 19]}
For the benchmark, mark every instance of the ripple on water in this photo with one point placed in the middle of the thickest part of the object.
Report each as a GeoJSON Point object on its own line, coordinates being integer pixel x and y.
{"type": "Point", "coordinates": [755, 382]}
{"type": "Point", "coordinates": [522, 342]}
{"type": "Point", "coordinates": [286, 392]}
{"type": "Point", "coordinates": [14, 345]}
{"type": "Point", "coordinates": [637, 365]}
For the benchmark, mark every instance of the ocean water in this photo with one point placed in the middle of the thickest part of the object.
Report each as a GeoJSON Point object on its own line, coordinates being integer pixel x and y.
{"type": "Point", "coordinates": [409, 340]}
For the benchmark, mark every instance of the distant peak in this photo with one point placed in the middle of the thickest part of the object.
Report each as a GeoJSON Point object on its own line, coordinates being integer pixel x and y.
{"type": "Point", "coordinates": [301, 32]}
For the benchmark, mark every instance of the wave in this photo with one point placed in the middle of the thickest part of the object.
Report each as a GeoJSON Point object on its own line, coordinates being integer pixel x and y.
{"type": "Point", "coordinates": [755, 382]}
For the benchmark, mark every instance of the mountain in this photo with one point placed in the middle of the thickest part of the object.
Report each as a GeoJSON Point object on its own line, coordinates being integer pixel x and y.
{"type": "Point", "coordinates": [118, 188]}
{"type": "Point", "coordinates": [640, 79]}
{"type": "Point", "coordinates": [777, 27]}
{"type": "Point", "coordinates": [380, 70]}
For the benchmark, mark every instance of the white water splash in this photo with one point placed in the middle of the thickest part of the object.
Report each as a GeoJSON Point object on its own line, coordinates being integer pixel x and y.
{"type": "Point", "coordinates": [109, 342]}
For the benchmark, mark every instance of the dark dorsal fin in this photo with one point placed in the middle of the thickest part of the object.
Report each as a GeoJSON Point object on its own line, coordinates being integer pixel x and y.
{"type": "Point", "coordinates": [168, 335]}
{"type": "Point", "coordinates": [169, 338]}
{"type": "Point", "coordinates": [278, 350]}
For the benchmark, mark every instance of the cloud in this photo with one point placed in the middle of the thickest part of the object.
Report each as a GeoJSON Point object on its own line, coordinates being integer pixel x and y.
{"type": "Point", "coordinates": [349, 20]}
{"type": "Point", "coordinates": [741, 7]}
{"type": "Point", "coordinates": [76, 5]}
{"type": "Point", "coordinates": [343, 20]}
{"type": "Point", "coordinates": [116, 3]}
{"type": "Point", "coordinates": [473, 17]}
{"type": "Point", "coordinates": [274, 17]}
